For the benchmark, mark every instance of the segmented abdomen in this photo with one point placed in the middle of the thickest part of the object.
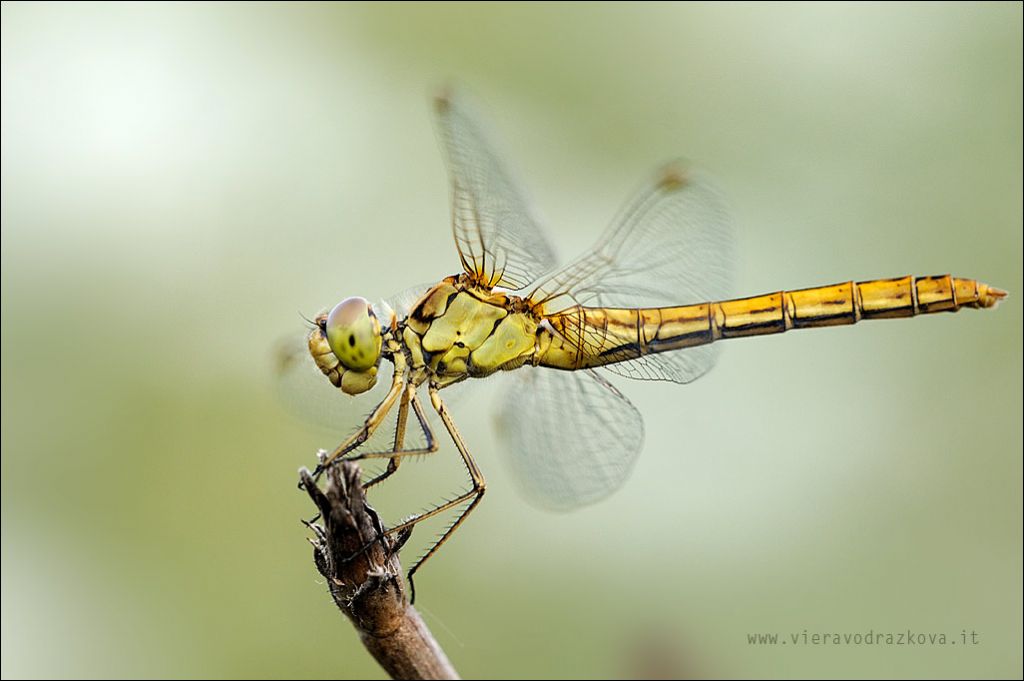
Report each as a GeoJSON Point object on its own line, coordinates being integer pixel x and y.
{"type": "Point", "coordinates": [588, 337]}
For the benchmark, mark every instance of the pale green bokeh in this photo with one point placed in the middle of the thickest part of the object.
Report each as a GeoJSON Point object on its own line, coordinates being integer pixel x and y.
{"type": "Point", "coordinates": [181, 181]}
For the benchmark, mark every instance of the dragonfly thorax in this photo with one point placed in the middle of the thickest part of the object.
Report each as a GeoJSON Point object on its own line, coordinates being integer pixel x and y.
{"type": "Point", "coordinates": [457, 330]}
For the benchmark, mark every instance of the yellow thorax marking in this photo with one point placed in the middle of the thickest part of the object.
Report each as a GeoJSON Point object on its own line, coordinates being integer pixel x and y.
{"type": "Point", "coordinates": [460, 331]}
{"type": "Point", "coordinates": [467, 322]}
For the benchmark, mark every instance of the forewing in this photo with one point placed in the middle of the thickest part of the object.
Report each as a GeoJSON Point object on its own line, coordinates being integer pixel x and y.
{"type": "Point", "coordinates": [671, 245]}
{"type": "Point", "coordinates": [572, 436]}
{"type": "Point", "coordinates": [500, 241]}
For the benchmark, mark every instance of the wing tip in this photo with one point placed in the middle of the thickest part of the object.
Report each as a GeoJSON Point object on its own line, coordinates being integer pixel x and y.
{"type": "Point", "coordinates": [443, 97]}
{"type": "Point", "coordinates": [675, 175]}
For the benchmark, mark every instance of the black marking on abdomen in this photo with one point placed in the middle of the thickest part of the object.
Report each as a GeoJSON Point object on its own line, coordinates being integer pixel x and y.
{"type": "Point", "coordinates": [632, 348]}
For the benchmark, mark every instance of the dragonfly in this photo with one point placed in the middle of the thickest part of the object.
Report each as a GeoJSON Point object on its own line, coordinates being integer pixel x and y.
{"type": "Point", "coordinates": [649, 301]}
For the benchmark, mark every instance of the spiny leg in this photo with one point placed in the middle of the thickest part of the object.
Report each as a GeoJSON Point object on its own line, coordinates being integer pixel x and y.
{"type": "Point", "coordinates": [475, 494]}
{"type": "Point", "coordinates": [369, 426]}
{"type": "Point", "coordinates": [396, 454]}
{"type": "Point", "coordinates": [393, 463]}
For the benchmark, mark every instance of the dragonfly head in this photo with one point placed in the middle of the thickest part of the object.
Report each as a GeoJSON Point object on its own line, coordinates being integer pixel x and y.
{"type": "Point", "coordinates": [346, 345]}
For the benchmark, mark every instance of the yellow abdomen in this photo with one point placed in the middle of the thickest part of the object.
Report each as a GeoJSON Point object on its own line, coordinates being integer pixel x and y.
{"type": "Point", "coordinates": [584, 337]}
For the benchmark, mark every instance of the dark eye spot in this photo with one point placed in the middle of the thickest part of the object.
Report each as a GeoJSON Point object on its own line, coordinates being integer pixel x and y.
{"type": "Point", "coordinates": [351, 340]}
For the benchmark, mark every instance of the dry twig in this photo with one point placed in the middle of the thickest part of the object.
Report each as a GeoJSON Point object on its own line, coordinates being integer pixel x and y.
{"type": "Point", "coordinates": [367, 585]}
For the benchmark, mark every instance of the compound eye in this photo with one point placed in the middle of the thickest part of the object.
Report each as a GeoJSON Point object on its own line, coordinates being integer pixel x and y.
{"type": "Point", "coordinates": [353, 333]}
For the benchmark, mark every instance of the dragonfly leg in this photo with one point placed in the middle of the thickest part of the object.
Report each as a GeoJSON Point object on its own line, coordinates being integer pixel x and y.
{"type": "Point", "coordinates": [403, 419]}
{"type": "Point", "coordinates": [393, 464]}
{"type": "Point", "coordinates": [369, 427]}
{"type": "Point", "coordinates": [473, 495]}
{"type": "Point", "coordinates": [396, 454]}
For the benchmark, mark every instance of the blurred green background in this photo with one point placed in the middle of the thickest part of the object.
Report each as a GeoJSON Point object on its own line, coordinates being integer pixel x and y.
{"type": "Point", "coordinates": [181, 181]}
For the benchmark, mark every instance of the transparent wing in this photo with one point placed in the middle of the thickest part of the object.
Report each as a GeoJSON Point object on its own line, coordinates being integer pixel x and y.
{"type": "Point", "coordinates": [500, 241]}
{"type": "Point", "coordinates": [573, 437]}
{"type": "Point", "coordinates": [403, 301]}
{"type": "Point", "coordinates": [671, 245]}
{"type": "Point", "coordinates": [617, 348]}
